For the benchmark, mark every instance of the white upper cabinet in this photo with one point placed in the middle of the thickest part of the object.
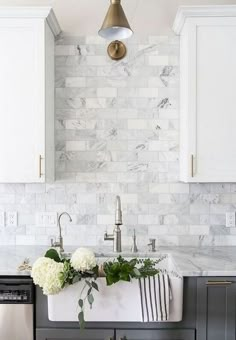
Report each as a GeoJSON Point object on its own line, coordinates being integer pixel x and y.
{"type": "Point", "coordinates": [27, 94]}
{"type": "Point", "coordinates": [207, 93]}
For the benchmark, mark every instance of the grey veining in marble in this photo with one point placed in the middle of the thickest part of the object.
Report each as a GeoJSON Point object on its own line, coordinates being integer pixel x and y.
{"type": "Point", "coordinates": [189, 261]}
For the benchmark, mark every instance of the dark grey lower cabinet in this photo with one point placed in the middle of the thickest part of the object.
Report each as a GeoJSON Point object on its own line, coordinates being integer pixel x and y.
{"type": "Point", "coordinates": [209, 314]}
{"type": "Point", "coordinates": [156, 334]}
{"type": "Point", "coordinates": [74, 334]}
{"type": "Point", "coordinates": [216, 308]}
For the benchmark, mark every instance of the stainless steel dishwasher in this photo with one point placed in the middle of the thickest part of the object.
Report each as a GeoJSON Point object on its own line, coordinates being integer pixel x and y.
{"type": "Point", "coordinates": [16, 308]}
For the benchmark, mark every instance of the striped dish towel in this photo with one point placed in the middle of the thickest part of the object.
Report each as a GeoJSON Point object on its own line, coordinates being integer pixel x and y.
{"type": "Point", "coordinates": [155, 296]}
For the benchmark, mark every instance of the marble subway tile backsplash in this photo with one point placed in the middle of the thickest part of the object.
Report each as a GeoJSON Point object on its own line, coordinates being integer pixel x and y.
{"type": "Point", "coordinates": [117, 132]}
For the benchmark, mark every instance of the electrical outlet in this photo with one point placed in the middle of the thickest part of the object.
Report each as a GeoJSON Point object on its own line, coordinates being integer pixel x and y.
{"type": "Point", "coordinates": [2, 219]}
{"type": "Point", "coordinates": [46, 219]}
{"type": "Point", "coordinates": [12, 220]}
{"type": "Point", "coordinates": [39, 219]}
{"type": "Point", "coordinates": [52, 219]}
{"type": "Point", "coordinates": [230, 219]}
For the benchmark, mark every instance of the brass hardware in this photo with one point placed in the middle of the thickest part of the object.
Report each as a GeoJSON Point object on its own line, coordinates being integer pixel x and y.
{"type": "Point", "coordinates": [219, 283]}
{"type": "Point", "coordinates": [115, 25]}
{"type": "Point", "coordinates": [116, 50]}
{"type": "Point", "coordinates": [192, 166]}
{"type": "Point", "coordinates": [40, 166]}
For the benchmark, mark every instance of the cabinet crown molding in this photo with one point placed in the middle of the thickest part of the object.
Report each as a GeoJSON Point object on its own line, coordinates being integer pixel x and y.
{"type": "Point", "coordinates": [41, 12]}
{"type": "Point", "coordinates": [185, 12]}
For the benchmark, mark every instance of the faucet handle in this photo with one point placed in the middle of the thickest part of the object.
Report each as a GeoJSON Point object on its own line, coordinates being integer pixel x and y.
{"type": "Point", "coordinates": [152, 244]}
{"type": "Point", "coordinates": [134, 247]}
{"type": "Point", "coordinates": [55, 243]}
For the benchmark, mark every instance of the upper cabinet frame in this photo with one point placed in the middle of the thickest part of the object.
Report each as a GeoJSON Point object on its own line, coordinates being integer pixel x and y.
{"type": "Point", "coordinates": [27, 36]}
{"type": "Point", "coordinates": [207, 93]}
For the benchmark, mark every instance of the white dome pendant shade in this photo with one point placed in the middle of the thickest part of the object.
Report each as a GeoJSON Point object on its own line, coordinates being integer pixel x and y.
{"type": "Point", "coordinates": [115, 25]}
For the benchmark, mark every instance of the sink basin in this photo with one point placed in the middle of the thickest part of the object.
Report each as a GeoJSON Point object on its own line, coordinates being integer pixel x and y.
{"type": "Point", "coordinates": [116, 303]}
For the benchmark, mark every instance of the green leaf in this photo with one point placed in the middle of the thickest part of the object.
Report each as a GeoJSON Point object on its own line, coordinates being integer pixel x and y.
{"type": "Point", "coordinates": [53, 254]}
{"type": "Point", "coordinates": [88, 283]}
{"type": "Point", "coordinates": [96, 271]}
{"type": "Point", "coordinates": [76, 279]}
{"type": "Point", "coordinates": [90, 299]}
{"type": "Point", "coordinates": [133, 262]}
{"type": "Point", "coordinates": [81, 319]}
{"type": "Point", "coordinates": [124, 277]}
{"type": "Point", "coordinates": [95, 286]}
{"type": "Point", "coordinates": [137, 272]}
{"type": "Point", "coordinates": [81, 303]}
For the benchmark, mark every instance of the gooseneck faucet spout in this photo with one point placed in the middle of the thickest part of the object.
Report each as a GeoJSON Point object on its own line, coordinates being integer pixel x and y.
{"type": "Point", "coordinates": [59, 221]}
{"type": "Point", "coordinates": [60, 242]}
{"type": "Point", "coordinates": [118, 215]}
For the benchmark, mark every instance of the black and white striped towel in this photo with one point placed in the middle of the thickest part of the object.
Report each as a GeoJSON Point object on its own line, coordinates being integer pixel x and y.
{"type": "Point", "coordinates": [155, 296]}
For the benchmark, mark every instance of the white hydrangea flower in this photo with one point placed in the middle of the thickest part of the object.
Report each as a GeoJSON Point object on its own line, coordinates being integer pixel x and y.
{"type": "Point", "coordinates": [83, 259]}
{"type": "Point", "coordinates": [40, 270]}
{"type": "Point", "coordinates": [52, 284]}
{"type": "Point", "coordinates": [46, 274]}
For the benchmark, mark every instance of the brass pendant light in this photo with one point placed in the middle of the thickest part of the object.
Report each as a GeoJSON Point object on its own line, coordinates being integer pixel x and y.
{"type": "Point", "coordinates": [115, 25]}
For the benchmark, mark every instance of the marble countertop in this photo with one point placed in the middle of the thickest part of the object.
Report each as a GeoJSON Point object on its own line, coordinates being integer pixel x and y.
{"type": "Point", "coordinates": [189, 261]}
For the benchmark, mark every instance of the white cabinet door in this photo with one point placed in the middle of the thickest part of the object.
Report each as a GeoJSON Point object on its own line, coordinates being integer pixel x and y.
{"type": "Point", "coordinates": [22, 104]}
{"type": "Point", "coordinates": [208, 100]}
{"type": "Point", "coordinates": [27, 94]}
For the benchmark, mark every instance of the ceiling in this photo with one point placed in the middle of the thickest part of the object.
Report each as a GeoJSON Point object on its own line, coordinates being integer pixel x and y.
{"type": "Point", "coordinates": [84, 17]}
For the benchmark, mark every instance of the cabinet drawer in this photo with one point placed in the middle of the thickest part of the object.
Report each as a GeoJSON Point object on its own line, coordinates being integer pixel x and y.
{"type": "Point", "coordinates": [155, 334]}
{"type": "Point", "coordinates": [73, 334]}
{"type": "Point", "coordinates": [216, 308]}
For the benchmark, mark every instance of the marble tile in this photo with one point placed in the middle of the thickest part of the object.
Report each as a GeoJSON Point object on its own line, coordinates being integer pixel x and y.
{"type": "Point", "coordinates": [117, 132]}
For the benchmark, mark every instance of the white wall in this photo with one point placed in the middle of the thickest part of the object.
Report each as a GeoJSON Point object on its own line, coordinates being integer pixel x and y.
{"type": "Point", "coordinates": [84, 17]}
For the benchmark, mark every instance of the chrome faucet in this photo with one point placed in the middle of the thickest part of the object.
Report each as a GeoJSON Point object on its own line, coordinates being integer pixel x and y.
{"type": "Point", "coordinates": [116, 236]}
{"type": "Point", "coordinates": [60, 242]}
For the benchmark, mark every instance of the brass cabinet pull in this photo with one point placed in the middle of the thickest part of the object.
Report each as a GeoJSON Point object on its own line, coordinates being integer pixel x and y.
{"type": "Point", "coordinates": [40, 166]}
{"type": "Point", "coordinates": [192, 166]}
{"type": "Point", "coordinates": [219, 283]}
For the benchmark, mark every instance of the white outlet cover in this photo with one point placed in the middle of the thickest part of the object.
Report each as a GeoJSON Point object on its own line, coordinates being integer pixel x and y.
{"type": "Point", "coordinates": [12, 219]}
{"type": "Point", "coordinates": [52, 219]}
{"type": "Point", "coordinates": [2, 219]}
{"type": "Point", "coordinates": [46, 219]}
{"type": "Point", "coordinates": [40, 219]}
{"type": "Point", "coordinates": [230, 219]}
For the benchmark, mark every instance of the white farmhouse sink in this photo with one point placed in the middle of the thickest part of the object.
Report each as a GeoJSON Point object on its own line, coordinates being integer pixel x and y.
{"type": "Point", "coordinates": [116, 303]}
